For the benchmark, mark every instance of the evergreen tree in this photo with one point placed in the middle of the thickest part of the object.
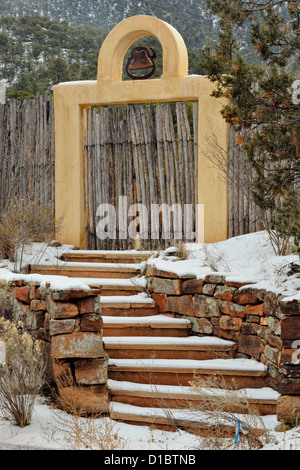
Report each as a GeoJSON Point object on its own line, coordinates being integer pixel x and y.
{"type": "Point", "coordinates": [259, 101]}
{"type": "Point", "coordinates": [37, 53]}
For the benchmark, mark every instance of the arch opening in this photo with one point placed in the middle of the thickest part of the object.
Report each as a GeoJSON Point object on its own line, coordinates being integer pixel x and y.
{"type": "Point", "coordinates": [121, 38]}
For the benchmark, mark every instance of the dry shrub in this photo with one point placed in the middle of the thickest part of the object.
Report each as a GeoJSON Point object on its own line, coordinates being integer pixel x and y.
{"type": "Point", "coordinates": [181, 252]}
{"type": "Point", "coordinates": [223, 406]}
{"type": "Point", "coordinates": [212, 416]}
{"type": "Point", "coordinates": [6, 303]}
{"type": "Point", "coordinates": [22, 223]}
{"type": "Point", "coordinates": [82, 431]}
{"type": "Point", "coordinates": [214, 258]}
{"type": "Point", "coordinates": [282, 245]}
{"type": "Point", "coordinates": [22, 374]}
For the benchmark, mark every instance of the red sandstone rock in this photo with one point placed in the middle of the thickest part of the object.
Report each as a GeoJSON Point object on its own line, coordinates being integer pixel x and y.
{"type": "Point", "coordinates": [290, 355]}
{"type": "Point", "coordinates": [215, 279]}
{"type": "Point", "coordinates": [250, 328]}
{"type": "Point", "coordinates": [231, 335]}
{"type": "Point", "coordinates": [206, 306]}
{"type": "Point", "coordinates": [91, 371]}
{"type": "Point", "coordinates": [255, 309]}
{"type": "Point", "coordinates": [89, 305]}
{"type": "Point", "coordinates": [224, 292]}
{"type": "Point", "coordinates": [272, 354]}
{"type": "Point", "coordinates": [91, 322]}
{"type": "Point", "coordinates": [23, 294]}
{"type": "Point", "coordinates": [203, 326]}
{"type": "Point", "coordinates": [59, 327]}
{"type": "Point", "coordinates": [65, 295]}
{"type": "Point", "coordinates": [209, 289]}
{"type": "Point", "coordinates": [167, 286]}
{"type": "Point", "coordinates": [291, 307]}
{"type": "Point", "coordinates": [192, 286]}
{"type": "Point", "coordinates": [180, 304]}
{"type": "Point", "coordinates": [61, 310]}
{"type": "Point", "coordinates": [270, 303]}
{"type": "Point", "coordinates": [236, 284]}
{"type": "Point", "coordinates": [232, 309]}
{"type": "Point", "coordinates": [160, 300]}
{"type": "Point", "coordinates": [153, 271]}
{"type": "Point", "coordinates": [250, 345]}
{"type": "Point", "coordinates": [246, 296]}
{"type": "Point", "coordinates": [275, 342]}
{"type": "Point", "coordinates": [32, 292]}
{"type": "Point", "coordinates": [79, 345]}
{"type": "Point", "coordinates": [230, 323]}
{"type": "Point", "coordinates": [36, 305]}
{"type": "Point", "coordinates": [290, 328]}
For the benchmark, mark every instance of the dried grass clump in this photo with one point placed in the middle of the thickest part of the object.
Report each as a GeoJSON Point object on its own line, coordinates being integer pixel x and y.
{"type": "Point", "coordinates": [224, 407]}
{"type": "Point", "coordinates": [282, 245]}
{"type": "Point", "coordinates": [21, 375]}
{"type": "Point", "coordinates": [82, 431]}
{"type": "Point", "coordinates": [22, 223]}
{"type": "Point", "coordinates": [214, 258]}
{"type": "Point", "coordinates": [6, 303]}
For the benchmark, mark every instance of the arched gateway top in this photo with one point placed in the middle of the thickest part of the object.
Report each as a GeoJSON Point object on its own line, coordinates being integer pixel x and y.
{"type": "Point", "coordinates": [118, 41]}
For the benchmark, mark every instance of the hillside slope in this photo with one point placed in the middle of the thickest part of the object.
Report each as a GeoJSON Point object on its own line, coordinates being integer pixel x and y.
{"type": "Point", "coordinates": [189, 17]}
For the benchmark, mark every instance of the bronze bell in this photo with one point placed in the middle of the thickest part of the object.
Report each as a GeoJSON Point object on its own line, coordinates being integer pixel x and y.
{"type": "Point", "coordinates": [141, 59]}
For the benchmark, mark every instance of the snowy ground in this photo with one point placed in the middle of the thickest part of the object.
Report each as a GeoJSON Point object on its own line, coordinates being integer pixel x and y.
{"type": "Point", "coordinates": [45, 432]}
{"type": "Point", "coordinates": [248, 258]}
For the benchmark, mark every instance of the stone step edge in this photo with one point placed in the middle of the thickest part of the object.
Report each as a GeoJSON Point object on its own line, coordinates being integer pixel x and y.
{"type": "Point", "coordinates": [183, 417]}
{"type": "Point", "coordinates": [134, 301]}
{"type": "Point", "coordinates": [105, 259]}
{"type": "Point", "coordinates": [110, 253]}
{"type": "Point", "coordinates": [266, 395]}
{"type": "Point", "coordinates": [95, 267]}
{"type": "Point", "coordinates": [168, 343]}
{"type": "Point", "coordinates": [223, 367]}
{"type": "Point", "coordinates": [155, 321]}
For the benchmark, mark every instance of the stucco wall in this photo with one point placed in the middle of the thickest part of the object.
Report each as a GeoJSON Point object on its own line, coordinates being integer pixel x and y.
{"type": "Point", "coordinates": [72, 98]}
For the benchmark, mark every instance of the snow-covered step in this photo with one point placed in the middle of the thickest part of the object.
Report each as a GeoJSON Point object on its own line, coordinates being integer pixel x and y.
{"type": "Point", "coordinates": [137, 301]}
{"type": "Point", "coordinates": [154, 325]}
{"type": "Point", "coordinates": [106, 287]}
{"type": "Point", "coordinates": [191, 347]}
{"type": "Point", "coordinates": [107, 256]}
{"type": "Point", "coordinates": [238, 373]}
{"type": "Point", "coordinates": [90, 270]}
{"type": "Point", "coordinates": [263, 400]}
{"type": "Point", "coordinates": [189, 419]}
{"type": "Point", "coordinates": [119, 287]}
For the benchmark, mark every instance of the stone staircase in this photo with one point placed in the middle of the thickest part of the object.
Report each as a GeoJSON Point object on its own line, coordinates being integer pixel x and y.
{"type": "Point", "coordinates": [153, 358]}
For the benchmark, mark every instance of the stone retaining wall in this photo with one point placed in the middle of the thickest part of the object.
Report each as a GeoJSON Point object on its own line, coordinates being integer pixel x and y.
{"type": "Point", "coordinates": [68, 324]}
{"type": "Point", "coordinates": [262, 325]}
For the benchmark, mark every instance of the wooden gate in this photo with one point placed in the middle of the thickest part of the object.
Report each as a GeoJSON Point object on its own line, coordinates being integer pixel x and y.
{"type": "Point", "coordinates": [141, 158]}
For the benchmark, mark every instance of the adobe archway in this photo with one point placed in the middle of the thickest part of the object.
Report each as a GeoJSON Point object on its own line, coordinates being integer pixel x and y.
{"type": "Point", "coordinates": [70, 100]}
